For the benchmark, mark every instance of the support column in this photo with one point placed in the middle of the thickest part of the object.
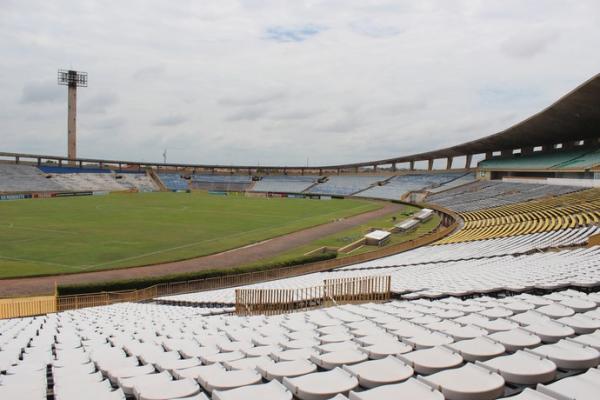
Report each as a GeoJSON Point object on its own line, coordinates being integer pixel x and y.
{"type": "Point", "coordinates": [375, 167]}
{"type": "Point", "coordinates": [72, 123]}
{"type": "Point", "coordinates": [468, 161]}
{"type": "Point", "coordinates": [449, 162]}
{"type": "Point", "coordinates": [412, 165]}
{"type": "Point", "coordinates": [489, 155]}
{"type": "Point", "coordinates": [394, 167]}
{"type": "Point", "coordinates": [430, 165]}
{"type": "Point", "coordinates": [506, 153]}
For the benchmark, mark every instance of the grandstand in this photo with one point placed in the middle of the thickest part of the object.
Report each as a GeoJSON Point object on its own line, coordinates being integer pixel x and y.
{"type": "Point", "coordinates": [284, 183]}
{"type": "Point", "coordinates": [486, 194]}
{"type": "Point", "coordinates": [227, 183]}
{"type": "Point", "coordinates": [396, 187]}
{"type": "Point", "coordinates": [506, 306]}
{"type": "Point", "coordinates": [174, 182]}
{"type": "Point", "coordinates": [345, 185]}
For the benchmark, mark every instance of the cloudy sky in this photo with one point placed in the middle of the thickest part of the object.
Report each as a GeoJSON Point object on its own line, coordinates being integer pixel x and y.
{"type": "Point", "coordinates": [277, 82]}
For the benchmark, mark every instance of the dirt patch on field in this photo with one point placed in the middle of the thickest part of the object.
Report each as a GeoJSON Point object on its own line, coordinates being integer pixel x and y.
{"type": "Point", "coordinates": [227, 259]}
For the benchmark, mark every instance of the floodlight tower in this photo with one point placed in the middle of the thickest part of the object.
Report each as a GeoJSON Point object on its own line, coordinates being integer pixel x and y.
{"type": "Point", "coordinates": [72, 79]}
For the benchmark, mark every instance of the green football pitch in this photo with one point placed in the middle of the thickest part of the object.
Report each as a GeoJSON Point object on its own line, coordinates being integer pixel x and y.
{"type": "Point", "coordinates": [80, 234]}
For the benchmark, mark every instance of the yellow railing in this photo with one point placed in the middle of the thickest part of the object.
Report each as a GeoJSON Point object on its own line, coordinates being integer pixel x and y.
{"type": "Point", "coordinates": [27, 306]}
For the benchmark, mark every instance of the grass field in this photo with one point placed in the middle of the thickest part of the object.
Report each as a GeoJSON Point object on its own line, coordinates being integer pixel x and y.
{"type": "Point", "coordinates": [79, 234]}
{"type": "Point", "coordinates": [348, 236]}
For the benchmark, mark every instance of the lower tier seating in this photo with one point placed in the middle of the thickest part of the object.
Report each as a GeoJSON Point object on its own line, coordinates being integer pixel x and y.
{"type": "Point", "coordinates": [517, 347]}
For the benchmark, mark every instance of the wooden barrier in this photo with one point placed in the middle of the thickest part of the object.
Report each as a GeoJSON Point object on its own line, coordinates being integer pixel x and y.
{"type": "Point", "coordinates": [332, 292]}
{"type": "Point", "coordinates": [27, 306]}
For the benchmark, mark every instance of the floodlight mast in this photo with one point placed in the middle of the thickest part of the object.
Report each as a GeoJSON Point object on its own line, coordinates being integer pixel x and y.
{"type": "Point", "coordinates": [72, 79]}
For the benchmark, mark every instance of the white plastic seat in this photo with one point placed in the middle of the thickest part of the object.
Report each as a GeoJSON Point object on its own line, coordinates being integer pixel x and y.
{"type": "Point", "coordinates": [429, 361]}
{"type": "Point", "coordinates": [569, 355]}
{"type": "Point", "coordinates": [380, 372]}
{"type": "Point", "coordinates": [581, 324]}
{"type": "Point", "coordinates": [411, 389]}
{"type": "Point", "coordinates": [129, 372]}
{"type": "Point", "coordinates": [581, 387]}
{"type": "Point", "coordinates": [522, 368]}
{"type": "Point", "coordinates": [321, 385]}
{"type": "Point", "coordinates": [167, 390]}
{"type": "Point", "coordinates": [225, 380]}
{"type": "Point", "coordinates": [556, 310]}
{"type": "Point", "coordinates": [297, 354]}
{"type": "Point", "coordinates": [195, 372]}
{"type": "Point", "coordinates": [550, 331]}
{"type": "Point", "coordinates": [338, 358]}
{"type": "Point", "coordinates": [530, 394]}
{"type": "Point", "coordinates": [269, 391]}
{"type": "Point", "coordinates": [468, 382]}
{"type": "Point", "coordinates": [386, 348]}
{"type": "Point", "coordinates": [172, 365]}
{"type": "Point", "coordinates": [128, 384]}
{"type": "Point", "coordinates": [221, 357]}
{"type": "Point", "coordinates": [479, 349]}
{"type": "Point", "coordinates": [591, 339]}
{"type": "Point", "coordinates": [497, 325]}
{"type": "Point", "coordinates": [248, 363]}
{"type": "Point", "coordinates": [428, 340]}
{"type": "Point", "coordinates": [289, 369]}
{"type": "Point", "coordinates": [516, 339]}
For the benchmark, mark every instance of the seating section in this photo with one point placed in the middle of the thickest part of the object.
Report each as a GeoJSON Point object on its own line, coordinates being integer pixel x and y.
{"type": "Point", "coordinates": [476, 348]}
{"type": "Point", "coordinates": [422, 273]}
{"type": "Point", "coordinates": [174, 181]}
{"type": "Point", "coordinates": [227, 183]}
{"type": "Point", "coordinates": [107, 182]}
{"type": "Point", "coordinates": [487, 194]}
{"type": "Point", "coordinates": [284, 183]}
{"type": "Point", "coordinates": [463, 180]}
{"type": "Point", "coordinates": [579, 159]}
{"type": "Point", "coordinates": [550, 214]}
{"type": "Point", "coordinates": [24, 178]}
{"type": "Point", "coordinates": [342, 185]}
{"type": "Point", "coordinates": [400, 185]}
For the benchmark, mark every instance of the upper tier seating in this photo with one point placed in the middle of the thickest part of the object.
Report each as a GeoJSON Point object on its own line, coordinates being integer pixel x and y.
{"type": "Point", "coordinates": [342, 185]}
{"type": "Point", "coordinates": [174, 181]}
{"type": "Point", "coordinates": [486, 194]}
{"type": "Point", "coordinates": [481, 348]}
{"type": "Point", "coordinates": [463, 180]}
{"type": "Point", "coordinates": [104, 182]}
{"type": "Point", "coordinates": [24, 178]}
{"type": "Point", "coordinates": [284, 183]}
{"type": "Point", "coordinates": [228, 183]}
{"type": "Point", "coordinates": [580, 159]}
{"type": "Point", "coordinates": [554, 213]}
{"type": "Point", "coordinates": [399, 185]}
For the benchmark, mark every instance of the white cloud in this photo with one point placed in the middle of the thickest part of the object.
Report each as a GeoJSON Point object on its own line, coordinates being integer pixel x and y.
{"type": "Point", "coordinates": [275, 82]}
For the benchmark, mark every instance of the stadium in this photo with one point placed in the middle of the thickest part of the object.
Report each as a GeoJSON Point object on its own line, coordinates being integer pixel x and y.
{"type": "Point", "coordinates": [464, 272]}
